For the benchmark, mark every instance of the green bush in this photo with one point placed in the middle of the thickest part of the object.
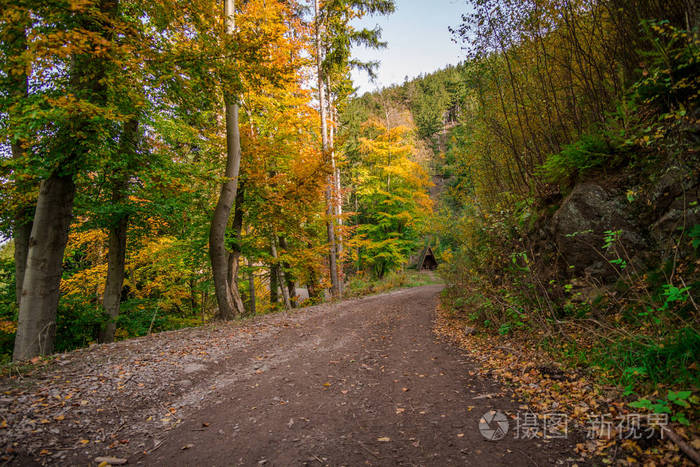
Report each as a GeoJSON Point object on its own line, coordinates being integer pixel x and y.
{"type": "Point", "coordinates": [592, 150]}
{"type": "Point", "coordinates": [8, 306]}
{"type": "Point", "coordinates": [638, 361]}
{"type": "Point", "coordinates": [78, 323]}
{"type": "Point", "coordinates": [136, 317]}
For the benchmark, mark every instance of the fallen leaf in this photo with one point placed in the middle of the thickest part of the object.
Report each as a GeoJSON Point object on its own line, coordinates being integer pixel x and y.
{"type": "Point", "coordinates": [109, 460]}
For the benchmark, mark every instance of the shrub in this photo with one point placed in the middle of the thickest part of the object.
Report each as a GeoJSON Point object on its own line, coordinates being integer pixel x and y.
{"type": "Point", "coordinates": [592, 150]}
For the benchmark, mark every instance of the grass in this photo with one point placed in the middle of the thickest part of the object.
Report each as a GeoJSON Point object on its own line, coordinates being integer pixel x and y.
{"type": "Point", "coordinates": [361, 285]}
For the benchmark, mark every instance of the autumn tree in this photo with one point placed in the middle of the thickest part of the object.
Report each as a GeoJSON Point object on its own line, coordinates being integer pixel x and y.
{"type": "Point", "coordinates": [227, 295]}
{"type": "Point", "coordinates": [334, 37]}
{"type": "Point", "coordinates": [18, 199]}
{"type": "Point", "coordinates": [392, 199]}
{"type": "Point", "coordinates": [80, 124]}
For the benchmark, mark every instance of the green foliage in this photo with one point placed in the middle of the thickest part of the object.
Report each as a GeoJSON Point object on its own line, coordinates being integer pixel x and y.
{"type": "Point", "coordinates": [138, 317]}
{"type": "Point", "coordinates": [640, 361]}
{"type": "Point", "coordinates": [520, 145]}
{"type": "Point", "coordinates": [8, 305]}
{"type": "Point", "coordinates": [672, 67]}
{"type": "Point", "coordinates": [590, 151]}
{"type": "Point", "coordinates": [695, 236]}
{"type": "Point", "coordinates": [77, 323]}
{"type": "Point", "coordinates": [670, 405]}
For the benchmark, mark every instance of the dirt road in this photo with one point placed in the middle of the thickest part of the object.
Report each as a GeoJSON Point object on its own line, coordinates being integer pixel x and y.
{"type": "Point", "coordinates": [363, 382]}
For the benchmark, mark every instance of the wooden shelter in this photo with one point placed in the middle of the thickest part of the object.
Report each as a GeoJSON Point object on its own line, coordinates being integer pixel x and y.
{"type": "Point", "coordinates": [426, 260]}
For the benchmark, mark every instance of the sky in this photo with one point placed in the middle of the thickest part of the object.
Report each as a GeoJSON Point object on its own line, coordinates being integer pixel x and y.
{"type": "Point", "coordinates": [418, 41]}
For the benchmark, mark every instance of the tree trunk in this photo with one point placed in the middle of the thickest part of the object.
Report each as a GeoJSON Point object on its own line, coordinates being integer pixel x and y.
{"type": "Point", "coordinates": [204, 304]}
{"type": "Point", "coordinates": [274, 285]}
{"type": "Point", "coordinates": [36, 328]}
{"type": "Point", "coordinates": [235, 254]}
{"type": "Point", "coordinates": [312, 285]}
{"type": "Point", "coordinates": [289, 280]}
{"type": "Point", "coordinates": [217, 235]}
{"type": "Point", "coordinates": [22, 233]}
{"type": "Point", "coordinates": [116, 253]}
{"type": "Point", "coordinates": [116, 262]}
{"type": "Point", "coordinates": [280, 275]}
{"type": "Point", "coordinates": [337, 199]}
{"type": "Point", "coordinates": [233, 258]}
{"type": "Point", "coordinates": [251, 287]}
{"type": "Point", "coordinates": [330, 228]}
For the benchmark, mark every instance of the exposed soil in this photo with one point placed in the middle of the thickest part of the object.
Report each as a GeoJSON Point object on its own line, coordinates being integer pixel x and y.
{"type": "Point", "coordinates": [358, 382]}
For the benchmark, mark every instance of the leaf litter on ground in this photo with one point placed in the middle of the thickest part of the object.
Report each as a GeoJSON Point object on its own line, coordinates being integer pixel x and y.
{"type": "Point", "coordinates": [548, 387]}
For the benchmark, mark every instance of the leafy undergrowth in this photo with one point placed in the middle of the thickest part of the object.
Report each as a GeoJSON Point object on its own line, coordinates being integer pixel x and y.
{"type": "Point", "coordinates": [547, 386]}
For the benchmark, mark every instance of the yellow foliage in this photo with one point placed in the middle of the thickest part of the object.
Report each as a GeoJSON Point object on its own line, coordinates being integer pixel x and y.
{"type": "Point", "coordinates": [8, 327]}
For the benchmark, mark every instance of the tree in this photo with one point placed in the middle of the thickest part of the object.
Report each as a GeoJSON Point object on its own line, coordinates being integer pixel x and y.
{"type": "Point", "coordinates": [16, 86]}
{"type": "Point", "coordinates": [77, 136]}
{"type": "Point", "coordinates": [393, 203]}
{"type": "Point", "coordinates": [116, 256]}
{"type": "Point", "coordinates": [229, 301]}
{"type": "Point", "coordinates": [323, 109]}
{"type": "Point", "coordinates": [333, 38]}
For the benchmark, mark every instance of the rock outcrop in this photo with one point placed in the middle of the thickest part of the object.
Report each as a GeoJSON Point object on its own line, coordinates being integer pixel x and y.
{"type": "Point", "coordinates": [579, 227]}
{"type": "Point", "coordinates": [650, 227]}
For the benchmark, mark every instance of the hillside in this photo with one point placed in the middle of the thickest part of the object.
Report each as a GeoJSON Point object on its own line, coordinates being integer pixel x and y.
{"type": "Point", "coordinates": [568, 217]}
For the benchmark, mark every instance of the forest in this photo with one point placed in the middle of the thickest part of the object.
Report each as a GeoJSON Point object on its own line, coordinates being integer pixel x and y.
{"type": "Point", "coordinates": [178, 164]}
{"type": "Point", "coordinates": [169, 164]}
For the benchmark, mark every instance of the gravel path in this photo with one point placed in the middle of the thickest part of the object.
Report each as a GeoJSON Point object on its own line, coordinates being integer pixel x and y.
{"type": "Point", "coordinates": [358, 382]}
